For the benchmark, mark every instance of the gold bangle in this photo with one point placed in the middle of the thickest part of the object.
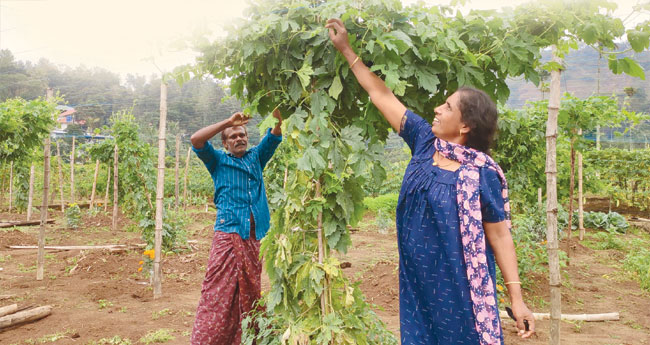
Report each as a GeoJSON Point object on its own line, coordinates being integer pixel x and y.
{"type": "Point", "coordinates": [353, 62]}
{"type": "Point", "coordinates": [508, 283]}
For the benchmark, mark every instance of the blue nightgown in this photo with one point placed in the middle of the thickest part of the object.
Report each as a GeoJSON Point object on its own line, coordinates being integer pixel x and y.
{"type": "Point", "coordinates": [435, 304]}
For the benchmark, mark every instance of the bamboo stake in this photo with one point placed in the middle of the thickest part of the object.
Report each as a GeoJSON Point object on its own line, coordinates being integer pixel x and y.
{"type": "Point", "coordinates": [581, 206]}
{"type": "Point", "coordinates": [11, 186]}
{"type": "Point", "coordinates": [539, 197]}
{"type": "Point", "coordinates": [321, 249]}
{"type": "Point", "coordinates": [40, 261]}
{"type": "Point", "coordinates": [30, 197]}
{"type": "Point", "coordinates": [60, 164]}
{"type": "Point", "coordinates": [572, 172]}
{"type": "Point", "coordinates": [72, 154]}
{"type": "Point", "coordinates": [187, 164]}
{"type": "Point", "coordinates": [115, 200]}
{"type": "Point", "coordinates": [108, 183]}
{"type": "Point", "coordinates": [92, 194]}
{"type": "Point", "coordinates": [2, 184]}
{"type": "Point", "coordinates": [178, 150]}
{"type": "Point", "coordinates": [572, 317]}
{"type": "Point", "coordinates": [551, 203]}
{"type": "Point", "coordinates": [160, 192]}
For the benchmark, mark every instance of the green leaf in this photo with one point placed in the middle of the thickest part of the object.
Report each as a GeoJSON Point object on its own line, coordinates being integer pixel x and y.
{"type": "Point", "coordinates": [305, 73]}
{"type": "Point", "coordinates": [639, 40]}
{"type": "Point", "coordinates": [428, 81]}
{"type": "Point", "coordinates": [632, 68]}
{"type": "Point", "coordinates": [336, 88]}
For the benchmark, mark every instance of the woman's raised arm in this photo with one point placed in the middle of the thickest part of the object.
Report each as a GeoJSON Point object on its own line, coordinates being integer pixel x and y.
{"type": "Point", "coordinates": [380, 95]}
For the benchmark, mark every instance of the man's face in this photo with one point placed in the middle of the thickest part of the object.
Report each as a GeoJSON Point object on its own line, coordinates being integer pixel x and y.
{"type": "Point", "coordinates": [236, 141]}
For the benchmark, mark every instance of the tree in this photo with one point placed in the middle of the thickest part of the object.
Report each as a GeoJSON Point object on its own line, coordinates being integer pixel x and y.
{"type": "Point", "coordinates": [280, 56]}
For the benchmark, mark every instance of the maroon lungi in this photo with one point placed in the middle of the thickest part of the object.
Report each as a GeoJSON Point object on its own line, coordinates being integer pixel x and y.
{"type": "Point", "coordinates": [231, 287]}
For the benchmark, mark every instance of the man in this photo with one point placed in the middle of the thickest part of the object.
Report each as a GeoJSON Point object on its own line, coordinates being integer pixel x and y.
{"type": "Point", "coordinates": [232, 279]}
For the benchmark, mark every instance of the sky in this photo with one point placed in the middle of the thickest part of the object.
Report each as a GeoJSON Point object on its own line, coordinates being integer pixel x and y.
{"type": "Point", "coordinates": [132, 36]}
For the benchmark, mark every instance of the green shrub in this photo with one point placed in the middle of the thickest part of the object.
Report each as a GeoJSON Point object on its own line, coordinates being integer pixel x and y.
{"type": "Point", "coordinates": [72, 216]}
{"type": "Point", "coordinates": [386, 203]}
{"type": "Point", "coordinates": [639, 262]}
{"type": "Point", "coordinates": [612, 222]}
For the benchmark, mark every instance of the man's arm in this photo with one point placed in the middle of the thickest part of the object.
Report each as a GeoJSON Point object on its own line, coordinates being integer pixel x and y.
{"type": "Point", "coordinates": [204, 134]}
{"type": "Point", "coordinates": [380, 95]}
{"type": "Point", "coordinates": [277, 130]}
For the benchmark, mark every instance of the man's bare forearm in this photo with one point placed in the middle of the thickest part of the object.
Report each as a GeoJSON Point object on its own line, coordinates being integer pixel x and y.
{"type": "Point", "coordinates": [204, 134]}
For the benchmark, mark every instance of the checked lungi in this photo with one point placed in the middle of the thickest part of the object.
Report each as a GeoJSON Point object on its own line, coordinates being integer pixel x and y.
{"type": "Point", "coordinates": [230, 289]}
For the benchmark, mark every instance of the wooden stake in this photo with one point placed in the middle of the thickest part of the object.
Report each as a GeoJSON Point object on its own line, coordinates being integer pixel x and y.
{"type": "Point", "coordinates": [187, 164]}
{"type": "Point", "coordinates": [60, 164]}
{"type": "Point", "coordinates": [92, 194]}
{"type": "Point", "coordinates": [25, 316]}
{"type": "Point", "coordinates": [539, 196]}
{"type": "Point", "coordinates": [581, 206]}
{"type": "Point", "coordinates": [572, 317]}
{"type": "Point", "coordinates": [115, 200]}
{"type": "Point", "coordinates": [108, 184]}
{"type": "Point", "coordinates": [551, 202]}
{"type": "Point", "coordinates": [572, 172]}
{"type": "Point", "coordinates": [72, 154]}
{"type": "Point", "coordinates": [40, 261]}
{"type": "Point", "coordinates": [11, 186]}
{"type": "Point", "coordinates": [178, 151]}
{"type": "Point", "coordinates": [10, 309]}
{"type": "Point", "coordinates": [30, 197]}
{"type": "Point", "coordinates": [160, 192]}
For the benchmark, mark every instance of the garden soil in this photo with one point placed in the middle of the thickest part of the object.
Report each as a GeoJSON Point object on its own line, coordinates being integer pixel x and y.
{"type": "Point", "coordinates": [99, 294]}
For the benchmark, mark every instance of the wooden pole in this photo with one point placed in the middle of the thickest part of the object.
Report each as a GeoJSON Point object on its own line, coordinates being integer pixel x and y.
{"type": "Point", "coordinates": [187, 164]}
{"type": "Point", "coordinates": [108, 183]}
{"type": "Point", "coordinates": [160, 192]}
{"type": "Point", "coordinates": [92, 194]}
{"type": "Point", "coordinates": [30, 197]}
{"type": "Point", "coordinates": [321, 250]}
{"type": "Point", "coordinates": [11, 186]}
{"type": "Point", "coordinates": [539, 197]}
{"type": "Point", "coordinates": [178, 151]}
{"type": "Point", "coordinates": [72, 154]}
{"type": "Point", "coordinates": [572, 183]}
{"type": "Point", "coordinates": [60, 164]}
{"type": "Point", "coordinates": [115, 200]}
{"type": "Point", "coordinates": [25, 316]}
{"type": "Point", "coordinates": [551, 203]}
{"type": "Point", "coordinates": [581, 206]}
{"type": "Point", "coordinates": [40, 261]}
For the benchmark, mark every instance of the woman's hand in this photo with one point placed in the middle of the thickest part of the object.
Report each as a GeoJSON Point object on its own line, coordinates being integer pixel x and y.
{"type": "Point", "coordinates": [522, 313]}
{"type": "Point", "coordinates": [338, 34]}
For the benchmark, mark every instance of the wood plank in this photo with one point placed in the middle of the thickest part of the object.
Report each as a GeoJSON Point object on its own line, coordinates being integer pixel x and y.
{"type": "Point", "coordinates": [109, 246]}
{"type": "Point", "coordinates": [23, 223]}
{"type": "Point", "coordinates": [572, 317]}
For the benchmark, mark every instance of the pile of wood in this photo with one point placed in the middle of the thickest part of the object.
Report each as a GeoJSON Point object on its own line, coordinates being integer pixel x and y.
{"type": "Point", "coordinates": [11, 315]}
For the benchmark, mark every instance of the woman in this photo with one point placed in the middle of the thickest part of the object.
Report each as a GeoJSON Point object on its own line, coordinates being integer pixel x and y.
{"type": "Point", "coordinates": [453, 197]}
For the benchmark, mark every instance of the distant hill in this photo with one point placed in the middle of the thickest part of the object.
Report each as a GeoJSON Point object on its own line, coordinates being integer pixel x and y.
{"type": "Point", "coordinates": [581, 79]}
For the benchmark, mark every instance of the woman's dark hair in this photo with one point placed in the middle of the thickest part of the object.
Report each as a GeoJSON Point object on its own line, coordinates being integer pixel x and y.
{"type": "Point", "coordinates": [479, 113]}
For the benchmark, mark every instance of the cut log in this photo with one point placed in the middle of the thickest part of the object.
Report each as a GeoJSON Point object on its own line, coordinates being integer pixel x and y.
{"type": "Point", "coordinates": [3, 297]}
{"type": "Point", "coordinates": [108, 246]}
{"type": "Point", "coordinates": [572, 317]}
{"type": "Point", "coordinates": [10, 309]}
{"type": "Point", "coordinates": [25, 316]}
{"type": "Point", "coordinates": [23, 223]}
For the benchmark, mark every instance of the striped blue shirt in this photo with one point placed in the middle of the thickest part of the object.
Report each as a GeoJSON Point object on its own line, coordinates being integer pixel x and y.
{"type": "Point", "coordinates": [239, 186]}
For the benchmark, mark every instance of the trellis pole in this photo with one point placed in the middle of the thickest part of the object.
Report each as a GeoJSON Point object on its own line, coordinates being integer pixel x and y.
{"type": "Point", "coordinates": [72, 154]}
{"type": "Point", "coordinates": [187, 164]}
{"type": "Point", "coordinates": [60, 164]}
{"type": "Point", "coordinates": [11, 185]}
{"type": "Point", "coordinates": [581, 211]}
{"type": "Point", "coordinates": [92, 194]}
{"type": "Point", "coordinates": [108, 184]}
{"type": "Point", "coordinates": [160, 192]}
{"type": "Point", "coordinates": [178, 150]}
{"type": "Point", "coordinates": [115, 199]}
{"type": "Point", "coordinates": [40, 260]}
{"type": "Point", "coordinates": [551, 202]}
{"type": "Point", "coordinates": [30, 197]}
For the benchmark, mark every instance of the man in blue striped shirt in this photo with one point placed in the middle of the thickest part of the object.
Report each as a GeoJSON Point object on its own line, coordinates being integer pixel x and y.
{"type": "Point", "coordinates": [232, 281]}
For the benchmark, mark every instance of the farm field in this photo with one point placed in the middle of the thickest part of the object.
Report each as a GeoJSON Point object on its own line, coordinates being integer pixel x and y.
{"type": "Point", "coordinates": [98, 296]}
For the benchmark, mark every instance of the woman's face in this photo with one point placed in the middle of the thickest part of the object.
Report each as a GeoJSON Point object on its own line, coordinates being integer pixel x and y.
{"type": "Point", "coordinates": [447, 124]}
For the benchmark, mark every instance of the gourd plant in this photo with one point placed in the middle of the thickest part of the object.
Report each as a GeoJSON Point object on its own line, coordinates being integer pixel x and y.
{"type": "Point", "coordinates": [279, 55]}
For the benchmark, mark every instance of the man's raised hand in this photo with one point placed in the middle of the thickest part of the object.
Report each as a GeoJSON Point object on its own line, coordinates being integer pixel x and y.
{"type": "Point", "coordinates": [238, 119]}
{"type": "Point", "coordinates": [338, 34]}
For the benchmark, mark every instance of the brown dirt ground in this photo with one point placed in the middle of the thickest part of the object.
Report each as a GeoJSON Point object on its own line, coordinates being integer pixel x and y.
{"type": "Point", "coordinates": [100, 294]}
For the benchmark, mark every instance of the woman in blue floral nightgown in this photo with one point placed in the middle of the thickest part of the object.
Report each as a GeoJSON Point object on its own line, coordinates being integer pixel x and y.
{"type": "Point", "coordinates": [452, 217]}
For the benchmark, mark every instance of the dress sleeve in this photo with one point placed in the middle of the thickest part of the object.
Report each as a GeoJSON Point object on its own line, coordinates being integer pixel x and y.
{"type": "Point", "coordinates": [208, 155]}
{"type": "Point", "coordinates": [267, 146]}
{"type": "Point", "coordinates": [415, 131]}
{"type": "Point", "coordinates": [492, 205]}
